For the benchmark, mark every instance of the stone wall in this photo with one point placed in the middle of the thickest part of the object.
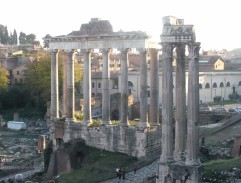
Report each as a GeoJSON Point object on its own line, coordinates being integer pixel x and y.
{"type": "Point", "coordinates": [125, 139]}
{"type": "Point", "coordinates": [209, 117]}
{"type": "Point", "coordinates": [219, 151]}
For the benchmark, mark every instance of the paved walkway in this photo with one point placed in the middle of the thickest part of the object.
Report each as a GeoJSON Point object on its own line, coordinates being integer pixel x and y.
{"type": "Point", "coordinates": [140, 175]}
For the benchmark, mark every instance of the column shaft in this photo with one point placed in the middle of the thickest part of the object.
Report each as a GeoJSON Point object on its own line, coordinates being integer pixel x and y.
{"type": "Point", "coordinates": [124, 87]}
{"type": "Point", "coordinates": [180, 124]}
{"type": "Point", "coordinates": [54, 85]}
{"type": "Point", "coordinates": [70, 86]}
{"type": "Point", "coordinates": [87, 86]}
{"type": "Point", "coordinates": [105, 87]}
{"type": "Point", "coordinates": [154, 87]}
{"type": "Point", "coordinates": [167, 104]}
{"type": "Point", "coordinates": [65, 101]}
{"type": "Point", "coordinates": [143, 93]}
{"type": "Point", "coordinates": [193, 106]}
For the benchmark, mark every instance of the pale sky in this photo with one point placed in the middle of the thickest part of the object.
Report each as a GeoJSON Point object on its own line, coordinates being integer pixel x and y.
{"type": "Point", "coordinates": [217, 23]}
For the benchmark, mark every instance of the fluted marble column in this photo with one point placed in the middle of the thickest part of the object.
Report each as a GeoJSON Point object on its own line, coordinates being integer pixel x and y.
{"type": "Point", "coordinates": [154, 87]}
{"type": "Point", "coordinates": [143, 93]}
{"type": "Point", "coordinates": [70, 86]}
{"type": "Point", "coordinates": [124, 87]}
{"type": "Point", "coordinates": [54, 85]}
{"type": "Point", "coordinates": [64, 99]}
{"type": "Point", "coordinates": [167, 103]}
{"type": "Point", "coordinates": [105, 87]}
{"type": "Point", "coordinates": [193, 106]}
{"type": "Point", "coordinates": [87, 86]}
{"type": "Point", "coordinates": [180, 124]}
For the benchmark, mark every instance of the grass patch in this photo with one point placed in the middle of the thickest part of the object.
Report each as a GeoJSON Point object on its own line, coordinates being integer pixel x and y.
{"type": "Point", "coordinates": [97, 165]}
{"type": "Point", "coordinates": [222, 170]}
{"type": "Point", "coordinates": [221, 165]}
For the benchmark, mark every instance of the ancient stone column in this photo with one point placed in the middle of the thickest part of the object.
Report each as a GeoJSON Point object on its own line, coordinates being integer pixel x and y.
{"type": "Point", "coordinates": [193, 106]}
{"type": "Point", "coordinates": [124, 87]}
{"type": "Point", "coordinates": [54, 85]}
{"type": "Point", "coordinates": [106, 87]}
{"type": "Point", "coordinates": [167, 103]}
{"type": "Point", "coordinates": [143, 93]}
{"type": "Point", "coordinates": [180, 124]}
{"type": "Point", "coordinates": [70, 86]}
{"type": "Point", "coordinates": [64, 99]}
{"type": "Point", "coordinates": [167, 112]}
{"type": "Point", "coordinates": [87, 86]}
{"type": "Point", "coordinates": [154, 87]}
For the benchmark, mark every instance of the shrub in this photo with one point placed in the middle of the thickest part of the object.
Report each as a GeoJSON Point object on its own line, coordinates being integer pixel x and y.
{"type": "Point", "coordinates": [217, 99]}
{"type": "Point", "coordinates": [233, 96]}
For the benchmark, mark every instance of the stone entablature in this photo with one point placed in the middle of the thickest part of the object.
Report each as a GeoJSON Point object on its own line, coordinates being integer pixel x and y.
{"type": "Point", "coordinates": [174, 31]}
{"type": "Point", "coordinates": [178, 33]}
{"type": "Point", "coordinates": [67, 43]}
{"type": "Point", "coordinates": [98, 34]}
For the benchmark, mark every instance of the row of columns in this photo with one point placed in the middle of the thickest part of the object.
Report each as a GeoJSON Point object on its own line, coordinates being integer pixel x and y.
{"type": "Point", "coordinates": [68, 87]}
{"type": "Point", "coordinates": [186, 126]}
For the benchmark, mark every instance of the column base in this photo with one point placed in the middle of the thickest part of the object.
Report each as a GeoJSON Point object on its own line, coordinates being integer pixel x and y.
{"type": "Point", "coordinates": [125, 124]}
{"type": "Point", "coordinates": [192, 162]}
{"type": "Point", "coordinates": [70, 119]}
{"type": "Point", "coordinates": [166, 159]}
{"type": "Point", "coordinates": [105, 123]}
{"type": "Point", "coordinates": [179, 156]}
{"type": "Point", "coordinates": [143, 125]}
{"type": "Point", "coordinates": [155, 124]}
{"type": "Point", "coordinates": [88, 122]}
{"type": "Point", "coordinates": [54, 118]}
{"type": "Point", "coordinates": [178, 172]}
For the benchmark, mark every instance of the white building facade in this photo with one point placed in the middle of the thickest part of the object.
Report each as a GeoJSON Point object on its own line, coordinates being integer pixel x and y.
{"type": "Point", "coordinates": [211, 84]}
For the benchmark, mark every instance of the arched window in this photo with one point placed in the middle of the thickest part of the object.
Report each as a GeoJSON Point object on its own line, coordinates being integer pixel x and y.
{"type": "Point", "coordinates": [228, 84]}
{"type": "Point", "coordinates": [221, 85]}
{"type": "Point", "coordinates": [200, 86]}
{"type": "Point", "coordinates": [239, 83]}
{"type": "Point", "coordinates": [215, 85]}
{"type": "Point", "coordinates": [207, 85]}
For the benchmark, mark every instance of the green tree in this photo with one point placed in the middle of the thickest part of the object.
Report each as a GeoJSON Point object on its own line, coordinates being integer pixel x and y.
{"type": "Point", "coordinates": [22, 38]}
{"type": "Point", "coordinates": [1, 32]}
{"type": "Point", "coordinates": [30, 38]}
{"type": "Point", "coordinates": [38, 79]}
{"type": "Point", "coordinates": [15, 37]}
{"type": "Point", "coordinates": [5, 36]}
{"type": "Point", "coordinates": [3, 79]}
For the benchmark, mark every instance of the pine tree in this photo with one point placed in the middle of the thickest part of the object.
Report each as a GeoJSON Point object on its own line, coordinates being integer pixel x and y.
{"type": "Point", "coordinates": [15, 37]}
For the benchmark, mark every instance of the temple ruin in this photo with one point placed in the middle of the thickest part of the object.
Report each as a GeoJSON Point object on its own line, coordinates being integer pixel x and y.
{"type": "Point", "coordinates": [179, 151]}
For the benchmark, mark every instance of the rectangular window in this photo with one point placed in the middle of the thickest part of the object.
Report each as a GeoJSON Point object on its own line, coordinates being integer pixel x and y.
{"type": "Point", "coordinates": [99, 85]}
{"type": "Point", "coordinates": [93, 84]}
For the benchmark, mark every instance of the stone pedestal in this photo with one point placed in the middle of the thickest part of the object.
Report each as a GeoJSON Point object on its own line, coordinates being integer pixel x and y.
{"type": "Point", "coordinates": [179, 173]}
